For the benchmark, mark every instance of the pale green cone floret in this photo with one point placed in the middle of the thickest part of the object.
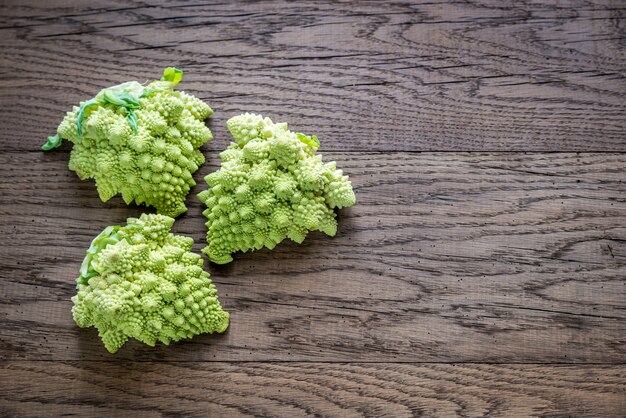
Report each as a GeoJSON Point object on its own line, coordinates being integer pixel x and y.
{"type": "Point", "coordinates": [140, 281]}
{"type": "Point", "coordinates": [139, 141]}
{"type": "Point", "coordinates": [271, 185]}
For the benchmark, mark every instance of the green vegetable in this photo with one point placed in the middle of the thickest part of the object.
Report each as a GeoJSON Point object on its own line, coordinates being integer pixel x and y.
{"type": "Point", "coordinates": [143, 282]}
{"type": "Point", "coordinates": [53, 141]}
{"type": "Point", "coordinates": [140, 141]}
{"type": "Point", "coordinates": [271, 185]}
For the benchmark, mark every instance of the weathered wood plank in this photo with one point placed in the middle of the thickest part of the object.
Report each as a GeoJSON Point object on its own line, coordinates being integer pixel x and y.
{"type": "Point", "coordinates": [476, 75]}
{"type": "Point", "coordinates": [447, 257]}
{"type": "Point", "coordinates": [102, 389]}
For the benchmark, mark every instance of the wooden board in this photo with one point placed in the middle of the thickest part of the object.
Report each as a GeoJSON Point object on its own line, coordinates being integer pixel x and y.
{"type": "Point", "coordinates": [447, 257]}
{"type": "Point", "coordinates": [477, 75]}
{"type": "Point", "coordinates": [482, 272]}
{"type": "Point", "coordinates": [102, 389]}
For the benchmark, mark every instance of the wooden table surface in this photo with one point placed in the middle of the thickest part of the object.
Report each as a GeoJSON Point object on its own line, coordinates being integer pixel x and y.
{"type": "Point", "coordinates": [482, 272]}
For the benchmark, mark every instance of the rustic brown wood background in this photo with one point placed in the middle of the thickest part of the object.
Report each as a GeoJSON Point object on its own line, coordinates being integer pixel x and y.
{"type": "Point", "coordinates": [482, 273]}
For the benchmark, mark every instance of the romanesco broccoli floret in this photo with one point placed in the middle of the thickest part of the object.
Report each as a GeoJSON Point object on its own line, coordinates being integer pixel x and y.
{"type": "Point", "coordinates": [271, 185]}
{"type": "Point", "coordinates": [143, 282]}
{"type": "Point", "coordinates": [140, 141]}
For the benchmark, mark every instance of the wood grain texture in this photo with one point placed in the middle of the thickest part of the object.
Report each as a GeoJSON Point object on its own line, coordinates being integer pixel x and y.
{"type": "Point", "coordinates": [483, 283]}
{"type": "Point", "coordinates": [472, 75]}
{"type": "Point", "coordinates": [101, 389]}
{"type": "Point", "coordinates": [503, 257]}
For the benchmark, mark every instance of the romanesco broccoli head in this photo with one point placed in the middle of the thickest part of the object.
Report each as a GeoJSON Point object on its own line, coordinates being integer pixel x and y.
{"type": "Point", "coordinates": [143, 282]}
{"type": "Point", "coordinates": [140, 141]}
{"type": "Point", "coordinates": [271, 185]}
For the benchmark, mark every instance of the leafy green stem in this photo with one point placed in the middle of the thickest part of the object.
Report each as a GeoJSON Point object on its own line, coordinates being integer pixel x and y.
{"type": "Point", "coordinates": [110, 235]}
{"type": "Point", "coordinates": [53, 142]}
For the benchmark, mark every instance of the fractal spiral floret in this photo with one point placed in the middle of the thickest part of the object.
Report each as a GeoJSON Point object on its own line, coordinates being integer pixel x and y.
{"type": "Point", "coordinates": [140, 141]}
{"type": "Point", "coordinates": [271, 185]}
{"type": "Point", "coordinates": [143, 282]}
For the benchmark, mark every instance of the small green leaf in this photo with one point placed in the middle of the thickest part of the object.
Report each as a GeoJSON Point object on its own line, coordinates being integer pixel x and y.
{"type": "Point", "coordinates": [52, 143]}
{"type": "Point", "coordinates": [84, 268]}
{"type": "Point", "coordinates": [84, 279]}
{"type": "Point", "coordinates": [309, 140]}
{"type": "Point", "coordinates": [131, 117]}
{"type": "Point", "coordinates": [173, 75]}
{"type": "Point", "coordinates": [120, 99]}
{"type": "Point", "coordinates": [81, 115]}
{"type": "Point", "coordinates": [148, 92]}
{"type": "Point", "coordinates": [108, 236]}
